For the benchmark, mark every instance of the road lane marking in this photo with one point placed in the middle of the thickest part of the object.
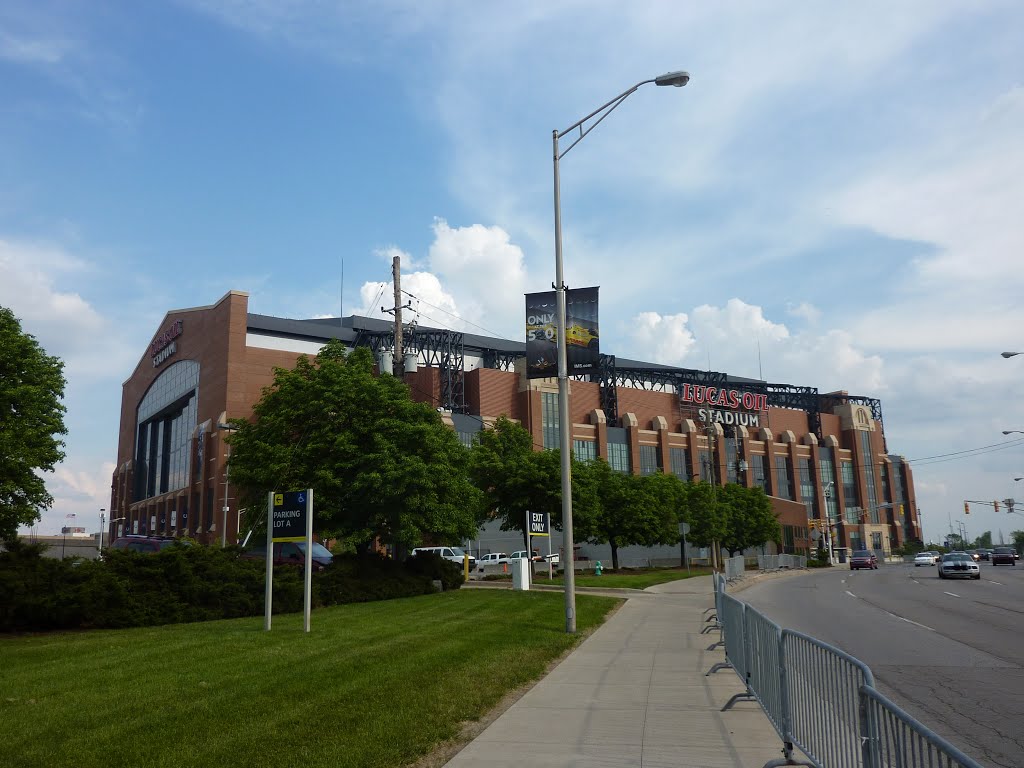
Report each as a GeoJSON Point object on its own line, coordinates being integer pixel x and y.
{"type": "Point", "coordinates": [909, 621]}
{"type": "Point", "coordinates": [951, 594]}
{"type": "Point", "coordinates": [850, 593]}
{"type": "Point", "coordinates": [995, 582]}
{"type": "Point", "coordinates": [914, 580]}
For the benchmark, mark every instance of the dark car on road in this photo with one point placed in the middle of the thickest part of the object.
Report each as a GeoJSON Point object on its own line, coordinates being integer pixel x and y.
{"type": "Point", "coordinates": [291, 553]}
{"type": "Point", "coordinates": [863, 558]}
{"type": "Point", "coordinates": [1004, 556]}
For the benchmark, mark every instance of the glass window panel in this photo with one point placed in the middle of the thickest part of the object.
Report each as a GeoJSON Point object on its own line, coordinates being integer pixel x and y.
{"type": "Point", "coordinates": [584, 450]}
{"type": "Point", "coordinates": [618, 457]}
{"type": "Point", "coordinates": [650, 461]}
{"type": "Point", "coordinates": [680, 463]}
{"type": "Point", "coordinates": [549, 419]}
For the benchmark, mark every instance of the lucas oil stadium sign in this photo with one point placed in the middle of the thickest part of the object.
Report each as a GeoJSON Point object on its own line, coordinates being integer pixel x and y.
{"type": "Point", "coordinates": [752, 403]}
{"type": "Point", "coordinates": [736, 418]}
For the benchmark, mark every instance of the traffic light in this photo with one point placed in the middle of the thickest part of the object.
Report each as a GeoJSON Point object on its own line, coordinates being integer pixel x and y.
{"type": "Point", "coordinates": [967, 508]}
{"type": "Point", "coordinates": [901, 510]}
{"type": "Point", "coordinates": [996, 503]}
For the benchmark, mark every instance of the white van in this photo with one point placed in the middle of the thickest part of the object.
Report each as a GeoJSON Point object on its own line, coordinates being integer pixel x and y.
{"type": "Point", "coordinates": [455, 554]}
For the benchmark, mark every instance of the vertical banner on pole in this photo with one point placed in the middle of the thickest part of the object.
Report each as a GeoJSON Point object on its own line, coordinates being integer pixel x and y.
{"type": "Point", "coordinates": [582, 336]}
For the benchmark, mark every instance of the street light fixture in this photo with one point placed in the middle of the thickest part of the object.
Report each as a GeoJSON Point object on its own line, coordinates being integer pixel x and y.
{"type": "Point", "coordinates": [1011, 354]}
{"type": "Point", "coordinates": [678, 80]}
{"type": "Point", "coordinates": [224, 508]}
{"type": "Point", "coordinates": [1013, 432]}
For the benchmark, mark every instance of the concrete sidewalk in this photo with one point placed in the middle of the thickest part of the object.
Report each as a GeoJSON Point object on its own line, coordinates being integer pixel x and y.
{"type": "Point", "coordinates": [634, 694]}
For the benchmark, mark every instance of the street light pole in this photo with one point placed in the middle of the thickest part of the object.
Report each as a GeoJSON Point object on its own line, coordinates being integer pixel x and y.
{"type": "Point", "coordinates": [677, 79]}
{"type": "Point", "coordinates": [227, 486]}
{"type": "Point", "coordinates": [828, 521]}
{"type": "Point", "coordinates": [103, 521]}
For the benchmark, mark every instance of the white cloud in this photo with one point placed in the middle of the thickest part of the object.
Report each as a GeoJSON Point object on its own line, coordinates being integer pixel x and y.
{"type": "Point", "coordinates": [32, 50]}
{"type": "Point", "coordinates": [64, 323]}
{"type": "Point", "coordinates": [660, 338]}
{"type": "Point", "coordinates": [79, 489]}
{"type": "Point", "coordinates": [804, 310]}
{"type": "Point", "coordinates": [473, 279]}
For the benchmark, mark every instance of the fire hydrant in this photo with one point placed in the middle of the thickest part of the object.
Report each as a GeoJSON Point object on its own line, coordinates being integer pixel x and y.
{"type": "Point", "coordinates": [598, 568]}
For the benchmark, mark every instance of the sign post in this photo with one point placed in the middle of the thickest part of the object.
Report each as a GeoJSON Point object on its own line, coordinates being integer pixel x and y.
{"type": "Point", "coordinates": [290, 518]}
{"type": "Point", "coordinates": [684, 528]}
{"type": "Point", "coordinates": [538, 524]}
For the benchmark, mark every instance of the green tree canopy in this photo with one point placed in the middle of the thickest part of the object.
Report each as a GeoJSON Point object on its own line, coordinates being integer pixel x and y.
{"type": "Point", "coordinates": [513, 478]}
{"type": "Point", "coordinates": [706, 518]}
{"type": "Point", "coordinates": [31, 421]}
{"type": "Point", "coordinates": [626, 510]}
{"type": "Point", "coordinates": [749, 520]}
{"type": "Point", "coordinates": [379, 464]}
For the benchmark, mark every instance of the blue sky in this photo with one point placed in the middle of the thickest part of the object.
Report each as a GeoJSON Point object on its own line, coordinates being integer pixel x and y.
{"type": "Point", "coordinates": [840, 183]}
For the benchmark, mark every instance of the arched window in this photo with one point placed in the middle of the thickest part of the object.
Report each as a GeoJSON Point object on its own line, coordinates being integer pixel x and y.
{"type": "Point", "coordinates": [164, 422]}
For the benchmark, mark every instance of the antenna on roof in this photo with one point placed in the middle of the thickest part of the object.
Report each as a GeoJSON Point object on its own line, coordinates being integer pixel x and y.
{"type": "Point", "coordinates": [760, 374]}
{"type": "Point", "coordinates": [341, 296]}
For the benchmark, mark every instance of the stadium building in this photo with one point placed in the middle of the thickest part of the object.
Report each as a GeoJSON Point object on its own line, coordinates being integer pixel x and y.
{"type": "Point", "coordinates": [822, 458]}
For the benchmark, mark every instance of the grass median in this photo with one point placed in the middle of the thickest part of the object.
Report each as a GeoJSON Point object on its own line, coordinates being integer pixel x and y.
{"type": "Point", "coordinates": [373, 684]}
{"type": "Point", "coordinates": [627, 578]}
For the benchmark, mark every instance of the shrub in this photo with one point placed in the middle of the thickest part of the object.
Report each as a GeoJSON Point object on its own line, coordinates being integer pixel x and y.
{"type": "Point", "coordinates": [436, 568]}
{"type": "Point", "coordinates": [189, 583]}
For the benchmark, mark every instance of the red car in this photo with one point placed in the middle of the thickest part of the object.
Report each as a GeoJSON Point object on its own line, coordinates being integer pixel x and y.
{"type": "Point", "coordinates": [1005, 555]}
{"type": "Point", "coordinates": [863, 558]}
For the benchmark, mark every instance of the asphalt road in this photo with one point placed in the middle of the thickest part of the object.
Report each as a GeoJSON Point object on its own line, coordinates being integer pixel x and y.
{"type": "Point", "coordinates": [950, 652]}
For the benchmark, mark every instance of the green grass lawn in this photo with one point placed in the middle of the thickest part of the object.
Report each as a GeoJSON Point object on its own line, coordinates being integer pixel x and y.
{"type": "Point", "coordinates": [638, 579]}
{"type": "Point", "coordinates": [375, 684]}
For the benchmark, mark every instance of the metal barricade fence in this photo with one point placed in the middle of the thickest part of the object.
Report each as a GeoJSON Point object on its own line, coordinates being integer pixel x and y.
{"type": "Point", "coordinates": [764, 679]}
{"type": "Point", "coordinates": [896, 739]}
{"type": "Point", "coordinates": [734, 567]}
{"type": "Point", "coordinates": [819, 698]}
{"type": "Point", "coordinates": [730, 616]}
{"type": "Point", "coordinates": [821, 686]}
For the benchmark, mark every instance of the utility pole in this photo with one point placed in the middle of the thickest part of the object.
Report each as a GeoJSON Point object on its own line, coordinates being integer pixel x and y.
{"type": "Point", "coordinates": [396, 272]}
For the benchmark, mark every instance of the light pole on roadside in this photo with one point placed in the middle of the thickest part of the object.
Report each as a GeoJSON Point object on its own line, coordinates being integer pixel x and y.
{"type": "Point", "coordinates": [677, 79]}
{"type": "Point", "coordinates": [224, 508]}
{"type": "Point", "coordinates": [827, 491]}
{"type": "Point", "coordinates": [103, 521]}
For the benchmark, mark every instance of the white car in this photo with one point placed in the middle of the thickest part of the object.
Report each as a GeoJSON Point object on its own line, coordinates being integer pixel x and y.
{"type": "Point", "coordinates": [958, 565]}
{"type": "Point", "coordinates": [492, 558]}
{"type": "Point", "coordinates": [926, 558]}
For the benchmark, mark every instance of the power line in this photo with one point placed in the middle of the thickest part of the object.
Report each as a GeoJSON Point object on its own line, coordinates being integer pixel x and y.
{"type": "Point", "coordinates": [969, 453]}
{"type": "Point", "coordinates": [457, 317]}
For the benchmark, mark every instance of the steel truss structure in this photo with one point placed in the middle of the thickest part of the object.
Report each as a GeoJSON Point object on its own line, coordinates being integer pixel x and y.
{"type": "Point", "coordinates": [445, 350]}
{"type": "Point", "coordinates": [441, 349]}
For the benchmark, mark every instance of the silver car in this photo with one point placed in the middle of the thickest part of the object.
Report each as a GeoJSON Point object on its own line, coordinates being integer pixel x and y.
{"type": "Point", "coordinates": [958, 565]}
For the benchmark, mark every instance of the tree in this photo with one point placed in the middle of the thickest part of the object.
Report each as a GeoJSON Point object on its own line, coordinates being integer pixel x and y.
{"type": "Point", "coordinates": [749, 520]}
{"type": "Point", "coordinates": [31, 421]}
{"type": "Point", "coordinates": [513, 478]}
{"type": "Point", "coordinates": [380, 465]}
{"type": "Point", "coordinates": [626, 509]}
{"type": "Point", "coordinates": [1018, 540]}
{"type": "Point", "coordinates": [706, 517]}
